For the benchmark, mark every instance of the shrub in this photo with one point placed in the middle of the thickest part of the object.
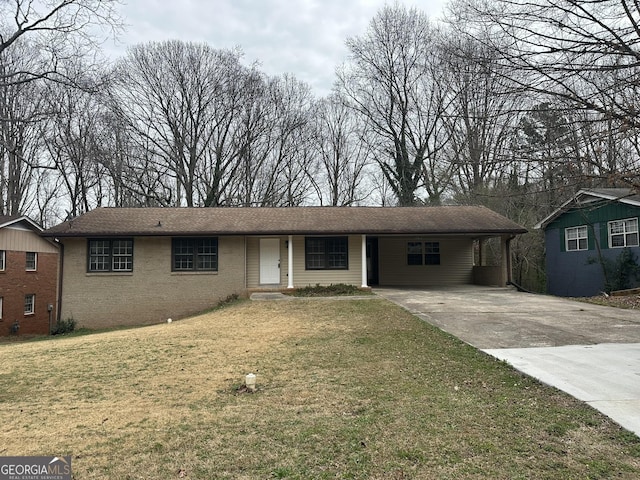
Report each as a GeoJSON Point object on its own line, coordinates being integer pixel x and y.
{"type": "Point", "coordinates": [329, 291]}
{"type": "Point", "coordinates": [64, 326]}
{"type": "Point", "coordinates": [620, 273]}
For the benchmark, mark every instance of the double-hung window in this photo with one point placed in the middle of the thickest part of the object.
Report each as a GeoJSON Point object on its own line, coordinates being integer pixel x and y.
{"type": "Point", "coordinates": [623, 233]}
{"type": "Point", "coordinates": [3, 260]}
{"type": "Point", "coordinates": [110, 255]}
{"type": "Point", "coordinates": [31, 261]}
{"type": "Point", "coordinates": [414, 253]}
{"type": "Point", "coordinates": [576, 238]}
{"type": "Point", "coordinates": [423, 253]}
{"type": "Point", "coordinates": [194, 254]}
{"type": "Point", "coordinates": [29, 304]}
{"type": "Point", "coordinates": [326, 253]}
{"type": "Point", "coordinates": [432, 253]}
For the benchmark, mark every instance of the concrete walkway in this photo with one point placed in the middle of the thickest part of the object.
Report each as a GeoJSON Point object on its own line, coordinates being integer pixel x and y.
{"type": "Point", "coordinates": [589, 351]}
{"type": "Point", "coordinates": [605, 376]}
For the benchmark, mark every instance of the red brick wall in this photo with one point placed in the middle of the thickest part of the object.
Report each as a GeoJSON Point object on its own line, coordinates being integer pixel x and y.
{"type": "Point", "coordinates": [16, 282]}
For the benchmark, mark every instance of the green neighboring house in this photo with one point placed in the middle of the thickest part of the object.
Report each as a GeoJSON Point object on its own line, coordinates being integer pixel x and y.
{"type": "Point", "coordinates": [592, 243]}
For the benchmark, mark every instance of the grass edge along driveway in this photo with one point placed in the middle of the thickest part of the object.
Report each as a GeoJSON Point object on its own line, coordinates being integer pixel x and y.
{"type": "Point", "coordinates": [356, 389]}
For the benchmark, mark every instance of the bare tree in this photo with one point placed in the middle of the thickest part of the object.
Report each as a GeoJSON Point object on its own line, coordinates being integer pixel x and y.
{"type": "Point", "coordinates": [21, 111]}
{"type": "Point", "coordinates": [40, 42]}
{"type": "Point", "coordinates": [292, 164]}
{"type": "Point", "coordinates": [59, 31]}
{"type": "Point", "coordinates": [183, 100]}
{"type": "Point", "coordinates": [344, 152]}
{"type": "Point", "coordinates": [274, 117]}
{"type": "Point", "coordinates": [72, 144]}
{"type": "Point", "coordinates": [481, 116]}
{"type": "Point", "coordinates": [49, 196]}
{"type": "Point", "coordinates": [388, 80]}
{"type": "Point", "coordinates": [583, 52]}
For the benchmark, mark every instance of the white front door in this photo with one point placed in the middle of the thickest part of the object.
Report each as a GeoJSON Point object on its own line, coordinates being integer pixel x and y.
{"type": "Point", "coordinates": [269, 261]}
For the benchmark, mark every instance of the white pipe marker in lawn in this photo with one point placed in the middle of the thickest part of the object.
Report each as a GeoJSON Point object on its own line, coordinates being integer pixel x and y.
{"type": "Point", "coordinates": [169, 320]}
{"type": "Point", "coordinates": [250, 381]}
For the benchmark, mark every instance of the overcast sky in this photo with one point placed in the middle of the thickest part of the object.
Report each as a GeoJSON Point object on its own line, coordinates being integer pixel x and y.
{"type": "Point", "coordinates": [303, 37]}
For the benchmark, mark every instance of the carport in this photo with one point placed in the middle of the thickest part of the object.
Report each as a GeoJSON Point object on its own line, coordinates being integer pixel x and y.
{"type": "Point", "coordinates": [590, 351]}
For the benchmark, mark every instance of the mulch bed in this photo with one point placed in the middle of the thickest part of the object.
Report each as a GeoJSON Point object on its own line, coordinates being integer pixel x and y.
{"type": "Point", "coordinates": [626, 301]}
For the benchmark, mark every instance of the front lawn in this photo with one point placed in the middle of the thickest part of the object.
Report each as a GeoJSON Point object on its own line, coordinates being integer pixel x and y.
{"type": "Point", "coordinates": [351, 389]}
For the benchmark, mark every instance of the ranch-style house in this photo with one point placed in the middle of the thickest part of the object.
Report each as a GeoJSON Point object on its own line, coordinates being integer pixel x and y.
{"type": "Point", "coordinates": [144, 265]}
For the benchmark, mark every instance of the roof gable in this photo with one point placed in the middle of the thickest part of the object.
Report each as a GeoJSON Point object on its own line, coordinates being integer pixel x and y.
{"type": "Point", "coordinates": [586, 197]}
{"type": "Point", "coordinates": [18, 221]}
{"type": "Point", "coordinates": [463, 220]}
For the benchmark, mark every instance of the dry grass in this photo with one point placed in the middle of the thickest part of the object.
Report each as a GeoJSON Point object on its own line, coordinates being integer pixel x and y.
{"type": "Point", "coordinates": [346, 389]}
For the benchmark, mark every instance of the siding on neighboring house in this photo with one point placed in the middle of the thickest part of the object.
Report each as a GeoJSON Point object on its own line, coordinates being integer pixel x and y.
{"type": "Point", "coordinates": [571, 274]}
{"type": "Point", "coordinates": [580, 273]}
{"type": "Point", "coordinates": [18, 239]}
{"type": "Point", "coordinates": [151, 293]}
{"type": "Point", "coordinates": [16, 282]}
{"type": "Point", "coordinates": [456, 265]}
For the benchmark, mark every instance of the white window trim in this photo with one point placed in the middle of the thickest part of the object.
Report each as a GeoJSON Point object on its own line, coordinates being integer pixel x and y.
{"type": "Point", "coordinates": [578, 238]}
{"type": "Point", "coordinates": [0, 308]}
{"type": "Point", "coordinates": [624, 233]}
{"type": "Point", "coordinates": [33, 304]}
{"type": "Point", "coordinates": [3, 260]}
{"type": "Point", "coordinates": [35, 267]}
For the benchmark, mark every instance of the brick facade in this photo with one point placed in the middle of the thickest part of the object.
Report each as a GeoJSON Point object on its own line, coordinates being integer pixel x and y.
{"type": "Point", "coordinates": [16, 282]}
{"type": "Point", "coordinates": [151, 293]}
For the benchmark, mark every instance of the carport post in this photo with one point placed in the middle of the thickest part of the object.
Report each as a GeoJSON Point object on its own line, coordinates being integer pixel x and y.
{"type": "Point", "coordinates": [505, 244]}
{"type": "Point", "coordinates": [509, 260]}
{"type": "Point", "coordinates": [290, 262]}
{"type": "Point", "coordinates": [364, 261]}
{"type": "Point", "coordinates": [482, 256]}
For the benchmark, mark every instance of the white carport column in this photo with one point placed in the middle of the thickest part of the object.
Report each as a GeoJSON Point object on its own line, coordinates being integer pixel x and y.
{"type": "Point", "coordinates": [290, 262]}
{"type": "Point", "coordinates": [364, 261]}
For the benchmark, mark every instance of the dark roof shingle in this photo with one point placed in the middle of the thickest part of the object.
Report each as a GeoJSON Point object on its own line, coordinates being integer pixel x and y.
{"type": "Point", "coordinates": [286, 221]}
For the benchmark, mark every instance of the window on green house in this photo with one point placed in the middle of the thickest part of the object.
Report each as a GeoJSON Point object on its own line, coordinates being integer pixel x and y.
{"type": "Point", "coordinates": [576, 238]}
{"type": "Point", "coordinates": [623, 233]}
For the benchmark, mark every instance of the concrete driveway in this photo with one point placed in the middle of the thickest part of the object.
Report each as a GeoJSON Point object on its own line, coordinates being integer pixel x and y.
{"type": "Point", "coordinates": [589, 351]}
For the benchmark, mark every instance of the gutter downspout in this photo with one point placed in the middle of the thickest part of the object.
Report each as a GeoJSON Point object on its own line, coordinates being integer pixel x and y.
{"type": "Point", "coordinates": [60, 274]}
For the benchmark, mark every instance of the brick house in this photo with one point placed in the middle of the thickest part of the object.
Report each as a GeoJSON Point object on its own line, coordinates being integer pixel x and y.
{"type": "Point", "coordinates": [143, 265]}
{"type": "Point", "coordinates": [28, 278]}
